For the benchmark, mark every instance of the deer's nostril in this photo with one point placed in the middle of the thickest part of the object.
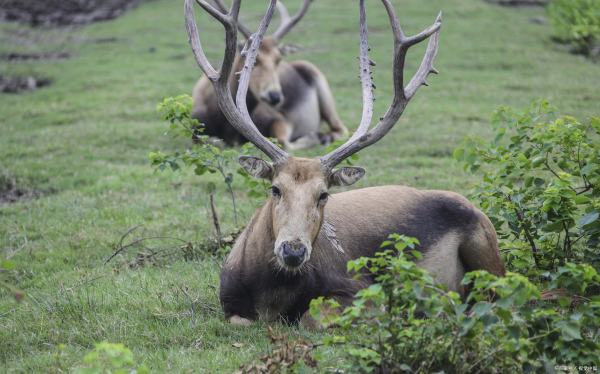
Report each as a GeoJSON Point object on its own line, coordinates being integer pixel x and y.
{"type": "Point", "coordinates": [274, 97]}
{"type": "Point", "coordinates": [293, 254]}
{"type": "Point", "coordinates": [301, 251]}
{"type": "Point", "coordinates": [286, 248]}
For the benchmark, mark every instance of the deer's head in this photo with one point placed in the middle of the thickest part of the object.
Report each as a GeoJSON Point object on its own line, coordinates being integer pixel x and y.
{"type": "Point", "coordinates": [298, 195]}
{"type": "Point", "coordinates": [300, 187]}
{"type": "Point", "coordinates": [264, 79]}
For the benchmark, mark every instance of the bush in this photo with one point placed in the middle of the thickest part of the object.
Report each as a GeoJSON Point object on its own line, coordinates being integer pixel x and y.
{"type": "Point", "coordinates": [540, 187]}
{"type": "Point", "coordinates": [407, 323]}
{"type": "Point", "coordinates": [109, 358]}
{"type": "Point", "coordinates": [203, 155]}
{"type": "Point", "coordinates": [577, 22]}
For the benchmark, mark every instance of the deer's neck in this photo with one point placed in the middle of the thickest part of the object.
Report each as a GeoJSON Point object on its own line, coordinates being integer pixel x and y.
{"type": "Point", "coordinates": [254, 248]}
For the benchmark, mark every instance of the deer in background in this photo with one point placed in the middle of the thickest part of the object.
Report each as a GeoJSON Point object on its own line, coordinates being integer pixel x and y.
{"type": "Point", "coordinates": [286, 100]}
{"type": "Point", "coordinates": [296, 246]}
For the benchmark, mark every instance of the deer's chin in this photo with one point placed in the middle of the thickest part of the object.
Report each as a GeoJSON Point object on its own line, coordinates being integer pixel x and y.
{"type": "Point", "coordinates": [291, 269]}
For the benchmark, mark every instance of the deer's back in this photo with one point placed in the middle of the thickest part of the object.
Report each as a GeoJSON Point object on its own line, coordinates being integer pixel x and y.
{"type": "Point", "coordinates": [362, 219]}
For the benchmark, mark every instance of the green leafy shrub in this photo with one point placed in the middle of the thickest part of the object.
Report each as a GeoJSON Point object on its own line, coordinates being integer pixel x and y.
{"type": "Point", "coordinates": [540, 187]}
{"type": "Point", "coordinates": [407, 323]}
{"type": "Point", "coordinates": [577, 22]}
{"type": "Point", "coordinates": [109, 358]}
{"type": "Point", "coordinates": [203, 155]}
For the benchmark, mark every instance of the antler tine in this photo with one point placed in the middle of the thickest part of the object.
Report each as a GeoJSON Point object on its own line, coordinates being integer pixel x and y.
{"type": "Point", "coordinates": [284, 15]}
{"type": "Point", "coordinates": [426, 66]}
{"type": "Point", "coordinates": [194, 39]}
{"type": "Point", "coordinates": [402, 95]}
{"type": "Point", "coordinates": [251, 51]}
{"type": "Point", "coordinates": [288, 23]}
{"type": "Point", "coordinates": [238, 117]}
{"type": "Point", "coordinates": [366, 78]}
{"type": "Point", "coordinates": [241, 27]}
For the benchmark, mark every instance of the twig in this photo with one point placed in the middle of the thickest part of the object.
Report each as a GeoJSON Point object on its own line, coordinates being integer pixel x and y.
{"type": "Point", "coordinates": [121, 247]}
{"type": "Point", "coordinates": [184, 291]}
{"type": "Point", "coordinates": [567, 243]}
{"type": "Point", "coordinates": [489, 355]}
{"type": "Point", "coordinates": [86, 282]}
{"type": "Point", "coordinates": [526, 231]}
{"type": "Point", "coordinates": [215, 218]}
{"type": "Point", "coordinates": [584, 189]}
{"type": "Point", "coordinates": [547, 163]}
{"type": "Point", "coordinates": [121, 242]}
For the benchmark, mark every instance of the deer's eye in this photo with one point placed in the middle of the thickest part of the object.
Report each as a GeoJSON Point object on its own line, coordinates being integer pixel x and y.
{"type": "Point", "coordinates": [276, 192]}
{"type": "Point", "coordinates": [323, 197]}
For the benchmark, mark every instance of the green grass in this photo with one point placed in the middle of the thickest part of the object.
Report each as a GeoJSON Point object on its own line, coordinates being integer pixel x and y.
{"type": "Point", "coordinates": [84, 142]}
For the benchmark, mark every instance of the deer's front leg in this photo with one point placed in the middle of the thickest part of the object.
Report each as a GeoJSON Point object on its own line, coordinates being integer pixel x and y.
{"type": "Point", "coordinates": [236, 299]}
{"type": "Point", "coordinates": [239, 321]}
{"type": "Point", "coordinates": [282, 131]}
{"type": "Point", "coordinates": [338, 131]}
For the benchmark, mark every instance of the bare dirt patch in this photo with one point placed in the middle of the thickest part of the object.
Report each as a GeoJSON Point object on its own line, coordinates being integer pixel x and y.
{"type": "Point", "coordinates": [520, 2]}
{"type": "Point", "coordinates": [11, 192]}
{"type": "Point", "coordinates": [63, 12]}
{"type": "Point", "coordinates": [17, 84]}
{"type": "Point", "coordinates": [45, 56]}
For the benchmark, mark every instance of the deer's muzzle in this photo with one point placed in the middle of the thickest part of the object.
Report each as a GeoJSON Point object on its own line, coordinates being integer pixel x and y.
{"type": "Point", "coordinates": [293, 253]}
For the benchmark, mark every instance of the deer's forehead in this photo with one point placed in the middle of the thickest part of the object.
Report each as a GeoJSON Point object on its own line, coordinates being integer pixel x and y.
{"type": "Point", "coordinates": [301, 186]}
{"type": "Point", "coordinates": [268, 44]}
{"type": "Point", "coordinates": [306, 173]}
{"type": "Point", "coordinates": [269, 49]}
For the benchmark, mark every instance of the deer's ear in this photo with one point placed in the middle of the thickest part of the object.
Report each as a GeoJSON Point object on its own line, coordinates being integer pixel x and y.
{"type": "Point", "coordinates": [256, 167]}
{"type": "Point", "coordinates": [346, 176]}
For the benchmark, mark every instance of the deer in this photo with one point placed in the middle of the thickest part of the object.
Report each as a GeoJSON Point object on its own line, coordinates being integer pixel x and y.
{"type": "Point", "coordinates": [296, 246]}
{"type": "Point", "coordinates": [287, 100]}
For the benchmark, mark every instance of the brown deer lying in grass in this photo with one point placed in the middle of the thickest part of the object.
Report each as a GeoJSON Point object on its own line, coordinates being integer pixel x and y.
{"type": "Point", "coordinates": [296, 246]}
{"type": "Point", "coordinates": [286, 101]}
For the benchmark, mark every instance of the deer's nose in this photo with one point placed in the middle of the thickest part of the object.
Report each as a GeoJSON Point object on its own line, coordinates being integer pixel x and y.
{"type": "Point", "coordinates": [274, 97]}
{"type": "Point", "coordinates": [293, 253]}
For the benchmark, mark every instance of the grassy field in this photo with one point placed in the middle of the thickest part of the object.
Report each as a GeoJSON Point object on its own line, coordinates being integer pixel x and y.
{"type": "Point", "coordinates": [83, 144]}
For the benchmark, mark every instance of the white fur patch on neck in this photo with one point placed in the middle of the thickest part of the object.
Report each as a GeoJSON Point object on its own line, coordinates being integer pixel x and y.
{"type": "Point", "coordinates": [332, 237]}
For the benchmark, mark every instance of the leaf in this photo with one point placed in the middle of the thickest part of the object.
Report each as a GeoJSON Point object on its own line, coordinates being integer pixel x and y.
{"type": "Point", "coordinates": [211, 187]}
{"type": "Point", "coordinates": [467, 326]}
{"type": "Point", "coordinates": [588, 218]}
{"type": "Point", "coordinates": [459, 153]}
{"type": "Point", "coordinates": [569, 330]}
{"type": "Point", "coordinates": [553, 227]}
{"type": "Point", "coordinates": [581, 199]}
{"type": "Point", "coordinates": [481, 308]}
{"type": "Point", "coordinates": [7, 265]}
{"type": "Point", "coordinates": [405, 367]}
{"type": "Point", "coordinates": [514, 331]}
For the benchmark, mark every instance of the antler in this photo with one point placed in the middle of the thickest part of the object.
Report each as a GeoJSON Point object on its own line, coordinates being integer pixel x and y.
{"type": "Point", "coordinates": [363, 137]}
{"type": "Point", "coordinates": [288, 23]}
{"type": "Point", "coordinates": [241, 27]}
{"type": "Point", "coordinates": [237, 116]}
